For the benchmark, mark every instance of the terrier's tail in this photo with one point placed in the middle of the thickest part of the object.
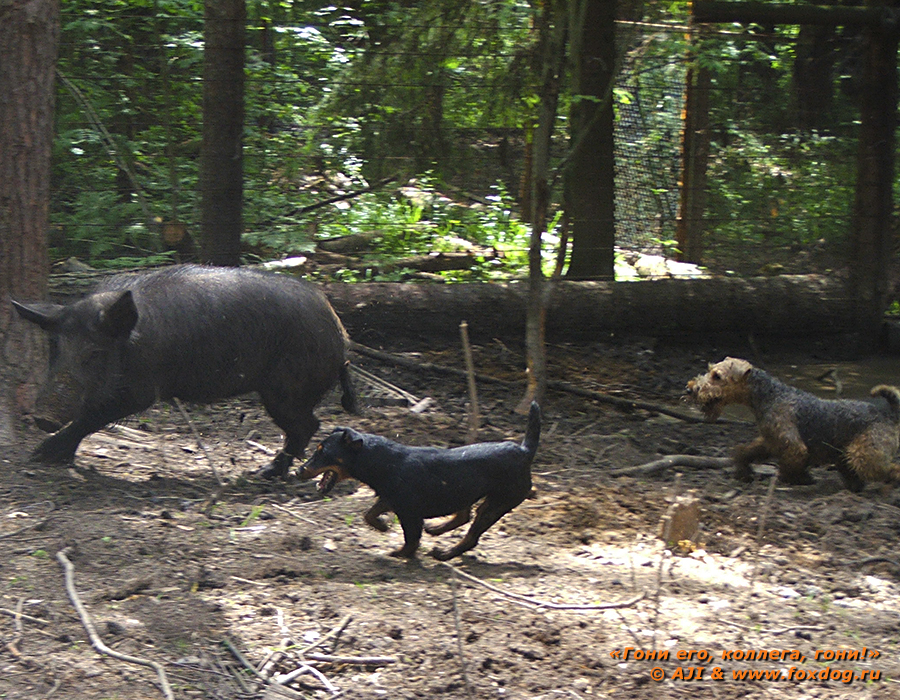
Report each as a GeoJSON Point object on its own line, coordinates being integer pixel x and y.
{"type": "Point", "coordinates": [533, 431]}
{"type": "Point", "coordinates": [892, 395]}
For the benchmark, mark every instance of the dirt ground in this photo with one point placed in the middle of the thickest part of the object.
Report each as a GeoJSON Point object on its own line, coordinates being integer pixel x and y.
{"type": "Point", "coordinates": [274, 568]}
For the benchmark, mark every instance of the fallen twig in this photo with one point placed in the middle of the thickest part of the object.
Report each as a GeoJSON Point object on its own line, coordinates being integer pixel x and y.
{"type": "Point", "coordinates": [200, 443]}
{"type": "Point", "coordinates": [669, 461]}
{"type": "Point", "coordinates": [292, 513]}
{"type": "Point", "coordinates": [875, 560]}
{"type": "Point", "coordinates": [459, 643]}
{"type": "Point", "coordinates": [306, 668]}
{"type": "Point", "coordinates": [22, 616]}
{"type": "Point", "coordinates": [96, 642]}
{"type": "Point", "coordinates": [617, 401]}
{"type": "Point", "coordinates": [542, 603]}
{"type": "Point", "coordinates": [336, 632]}
{"type": "Point", "coordinates": [353, 660]}
{"type": "Point", "coordinates": [250, 667]}
{"type": "Point", "coordinates": [13, 645]}
{"type": "Point", "coordinates": [774, 632]}
{"type": "Point", "coordinates": [33, 526]}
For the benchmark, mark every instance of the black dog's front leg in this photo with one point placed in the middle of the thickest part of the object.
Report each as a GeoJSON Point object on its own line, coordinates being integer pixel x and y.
{"type": "Point", "coordinates": [373, 515]}
{"type": "Point", "coordinates": [412, 533]}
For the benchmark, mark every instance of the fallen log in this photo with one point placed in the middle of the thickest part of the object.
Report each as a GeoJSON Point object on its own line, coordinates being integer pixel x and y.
{"type": "Point", "coordinates": [787, 306]}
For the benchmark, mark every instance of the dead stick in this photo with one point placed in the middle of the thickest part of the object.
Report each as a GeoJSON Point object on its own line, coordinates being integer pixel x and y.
{"type": "Point", "coordinates": [353, 660]}
{"type": "Point", "coordinates": [250, 667]}
{"type": "Point", "coordinates": [474, 420]}
{"type": "Point", "coordinates": [764, 513]}
{"type": "Point", "coordinates": [336, 632]}
{"type": "Point", "coordinates": [200, 443]}
{"type": "Point", "coordinates": [617, 401]}
{"type": "Point", "coordinates": [306, 668]}
{"type": "Point", "coordinates": [459, 643]}
{"type": "Point", "coordinates": [660, 465]}
{"type": "Point", "coordinates": [23, 616]}
{"type": "Point", "coordinates": [541, 603]}
{"type": "Point", "coordinates": [96, 642]}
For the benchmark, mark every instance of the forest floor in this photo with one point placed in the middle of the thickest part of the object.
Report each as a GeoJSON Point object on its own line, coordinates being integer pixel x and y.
{"type": "Point", "coordinates": [808, 571]}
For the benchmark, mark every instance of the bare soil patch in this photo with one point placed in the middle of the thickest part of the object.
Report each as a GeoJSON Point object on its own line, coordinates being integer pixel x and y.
{"type": "Point", "coordinates": [273, 568]}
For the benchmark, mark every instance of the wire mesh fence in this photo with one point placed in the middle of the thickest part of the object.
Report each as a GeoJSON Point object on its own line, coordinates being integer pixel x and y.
{"type": "Point", "coordinates": [331, 111]}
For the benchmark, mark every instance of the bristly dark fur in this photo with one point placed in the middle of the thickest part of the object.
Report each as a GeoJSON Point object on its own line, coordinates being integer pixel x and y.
{"type": "Point", "coordinates": [428, 482]}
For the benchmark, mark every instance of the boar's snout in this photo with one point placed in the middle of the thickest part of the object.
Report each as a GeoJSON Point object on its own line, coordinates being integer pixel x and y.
{"type": "Point", "coordinates": [58, 403]}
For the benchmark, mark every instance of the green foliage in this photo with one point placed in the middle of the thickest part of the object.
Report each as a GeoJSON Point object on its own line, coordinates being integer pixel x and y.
{"type": "Point", "coordinates": [338, 97]}
{"type": "Point", "coordinates": [763, 187]}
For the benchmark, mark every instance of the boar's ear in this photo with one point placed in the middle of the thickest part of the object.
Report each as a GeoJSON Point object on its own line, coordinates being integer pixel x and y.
{"type": "Point", "coordinates": [120, 317]}
{"type": "Point", "coordinates": [43, 314]}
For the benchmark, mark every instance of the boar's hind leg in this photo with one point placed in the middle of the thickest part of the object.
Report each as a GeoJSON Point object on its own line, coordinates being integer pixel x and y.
{"type": "Point", "coordinates": [299, 425]}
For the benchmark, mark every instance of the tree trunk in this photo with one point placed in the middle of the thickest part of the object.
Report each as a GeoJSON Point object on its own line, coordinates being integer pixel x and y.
{"type": "Point", "coordinates": [29, 41]}
{"type": "Point", "coordinates": [590, 174]}
{"type": "Point", "coordinates": [554, 40]}
{"type": "Point", "coordinates": [694, 161]}
{"type": "Point", "coordinates": [221, 155]}
{"type": "Point", "coordinates": [871, 238]}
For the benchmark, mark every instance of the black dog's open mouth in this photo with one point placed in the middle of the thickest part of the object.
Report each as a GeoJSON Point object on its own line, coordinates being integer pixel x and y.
{"type": "Point", "coordinates": [327, 482]}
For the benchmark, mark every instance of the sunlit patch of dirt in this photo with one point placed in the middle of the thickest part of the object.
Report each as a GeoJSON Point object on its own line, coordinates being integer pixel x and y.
{"type": "Point", "coordinates": [275, 568]}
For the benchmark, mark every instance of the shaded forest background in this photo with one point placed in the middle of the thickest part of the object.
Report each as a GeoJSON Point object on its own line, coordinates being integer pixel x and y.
{"type": "Point", "coordinates": [410, 125]}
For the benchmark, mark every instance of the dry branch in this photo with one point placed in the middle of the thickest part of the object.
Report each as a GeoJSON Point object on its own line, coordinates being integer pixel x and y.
{"type": "Point", "coordinates": [660, 465]}
{"type": "Point", "coordinates": [250, 667]}
{"type": "Point", "coordinates": [618, 402]}
{"type": "Point", "coordinates": [542, 603]}
{"type": "Point", "coordinates": [22, 616]}
{"type": "Point", "coordinates": [353, 660]}
{"type": "Point", "coordinates": [96, 642]}
{"type": "Point", "coordinates": [336, 632]}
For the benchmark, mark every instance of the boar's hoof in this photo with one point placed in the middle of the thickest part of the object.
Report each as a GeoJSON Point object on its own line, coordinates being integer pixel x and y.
{"type": "Point", "coordinates": [277, 468]}
{"type": "Point", "coordinates": [52, 451]}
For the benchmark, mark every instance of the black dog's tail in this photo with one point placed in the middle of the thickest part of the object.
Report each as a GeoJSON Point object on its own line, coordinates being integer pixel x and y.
{"type": "Point", "coordinates": [348, 393]}
{"type": "Point", "coordinates": [892, 396]}
{"type": "Point", "coordinates": [533, 431]}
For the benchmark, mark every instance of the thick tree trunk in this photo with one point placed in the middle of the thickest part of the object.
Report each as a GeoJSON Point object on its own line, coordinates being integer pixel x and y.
{"type": "Point", "coordinates": [29, 41]}
{"type": "Point", "coordinates": [871, 237]}
{"type": "Point", "coordinates": [221, 155]}
{"type": "Point", "coordinates": [694, 162]}
{"type": "Point", "coordinates": [590, 174]}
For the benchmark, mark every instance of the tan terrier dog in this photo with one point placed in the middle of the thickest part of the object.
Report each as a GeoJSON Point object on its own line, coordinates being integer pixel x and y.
{"type": "Point", "coordinates": [801, 430]}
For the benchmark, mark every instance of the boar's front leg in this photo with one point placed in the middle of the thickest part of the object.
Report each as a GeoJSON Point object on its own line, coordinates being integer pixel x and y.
{"type": "Point", "coordinates": [60, 447]}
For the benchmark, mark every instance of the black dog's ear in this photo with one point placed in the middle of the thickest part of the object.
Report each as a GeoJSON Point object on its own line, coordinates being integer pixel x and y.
{"type": "Point", "coordinates": [352, 440]}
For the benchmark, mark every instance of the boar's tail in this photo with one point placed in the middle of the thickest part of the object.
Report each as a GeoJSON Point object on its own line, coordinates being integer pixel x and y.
{"type": "Point", "coordinates": [348, 397]}
{"type": "Point", "coordinates": [533, 431]}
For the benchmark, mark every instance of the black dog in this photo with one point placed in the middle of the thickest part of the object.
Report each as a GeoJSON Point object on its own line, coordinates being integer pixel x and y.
{"type": "Point", "coordinates": [430, 482]}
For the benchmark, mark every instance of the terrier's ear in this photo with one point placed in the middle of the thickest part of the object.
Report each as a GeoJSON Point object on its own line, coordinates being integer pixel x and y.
{"type": "Point", "coordinates": [352, 440]}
